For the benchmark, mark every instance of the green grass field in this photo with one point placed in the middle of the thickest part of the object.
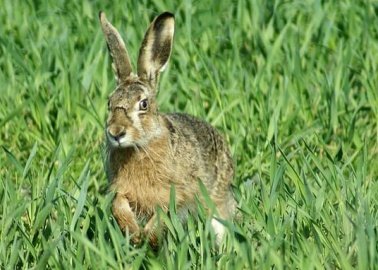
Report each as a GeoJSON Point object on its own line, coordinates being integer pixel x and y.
{"type": "Point", "coordinates": [291, 84]}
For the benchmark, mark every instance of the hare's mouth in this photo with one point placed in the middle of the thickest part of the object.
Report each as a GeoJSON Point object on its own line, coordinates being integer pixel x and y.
{"type": "Point", "coordinates": [121, 144]}
{"type": "Point", "coordinates": [119, 141]}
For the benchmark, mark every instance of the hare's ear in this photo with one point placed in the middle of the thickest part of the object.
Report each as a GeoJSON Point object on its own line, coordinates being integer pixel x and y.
{"type": "Point", "coordinates": [156, 48]}
{"type": "Point", "coordinates": [117, 49]}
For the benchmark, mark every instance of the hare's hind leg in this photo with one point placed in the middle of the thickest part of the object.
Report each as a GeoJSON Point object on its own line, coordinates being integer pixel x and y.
{"type": "Point", "coordinates": [226, 210]}
{"type": "Point", "coordinates": [219, 230]}
{"type": "Point", "coordinates": [125, 217]}
{"type": "Point", "coordinates": [222, 196]}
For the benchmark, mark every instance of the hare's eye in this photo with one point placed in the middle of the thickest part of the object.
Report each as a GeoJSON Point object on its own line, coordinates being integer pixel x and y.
{"type": "Point", "coordinates": [143, 105]}
{"type": "Point", "coordinates": [108, 104]}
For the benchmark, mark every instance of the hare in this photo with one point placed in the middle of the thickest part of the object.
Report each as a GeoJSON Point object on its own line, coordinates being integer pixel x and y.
{"type": "Point", "coordinates": [148, 151]}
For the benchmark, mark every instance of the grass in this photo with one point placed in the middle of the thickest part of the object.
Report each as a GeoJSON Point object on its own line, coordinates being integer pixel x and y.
{"type": "Point", "coordinates": [291, 84]}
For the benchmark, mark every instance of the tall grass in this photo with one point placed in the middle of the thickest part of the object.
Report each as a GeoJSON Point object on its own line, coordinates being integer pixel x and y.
{"type": "Point", "coordinates": [291, 84]}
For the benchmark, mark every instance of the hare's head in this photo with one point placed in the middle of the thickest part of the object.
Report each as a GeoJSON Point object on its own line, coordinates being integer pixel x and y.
{"type": "Point", "coordinates": [133, 112]}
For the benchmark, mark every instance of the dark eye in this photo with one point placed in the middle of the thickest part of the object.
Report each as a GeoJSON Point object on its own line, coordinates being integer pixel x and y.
{"type": "Point", "coordinates": [143, 105]}
{"type": "Point", "coordinates": [108, 104]}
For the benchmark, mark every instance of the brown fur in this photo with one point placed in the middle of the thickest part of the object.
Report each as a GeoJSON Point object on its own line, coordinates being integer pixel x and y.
{"type": "Point", "coordinates": [148, 152]}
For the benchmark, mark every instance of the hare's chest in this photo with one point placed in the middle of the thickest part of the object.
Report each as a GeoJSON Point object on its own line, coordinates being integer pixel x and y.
{"type": "Point", "coordinates": [145, 197]}
{"type": "Point", "coordinates": [147, 181]}
{"type": "Point", "coordinates": [145, 185]}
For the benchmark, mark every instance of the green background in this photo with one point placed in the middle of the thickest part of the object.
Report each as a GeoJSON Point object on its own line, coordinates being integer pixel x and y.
{"type": "Point", "coordinates": [291, 84]}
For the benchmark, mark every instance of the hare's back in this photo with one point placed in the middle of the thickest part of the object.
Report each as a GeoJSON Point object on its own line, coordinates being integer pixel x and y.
{"type": "Point", "coordinates": [196, 131]}
{"type": "Point", "coordinates": [194, 140]}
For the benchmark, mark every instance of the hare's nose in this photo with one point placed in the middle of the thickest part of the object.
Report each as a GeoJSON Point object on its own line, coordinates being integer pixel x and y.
{"type": "Point", "coordinates": [117, 132]}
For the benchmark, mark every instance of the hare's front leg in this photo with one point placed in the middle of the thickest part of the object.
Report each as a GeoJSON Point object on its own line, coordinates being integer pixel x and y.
{"type": "Point", "coordinates": [150, 232]}
{"type": "Point", "coordinates": [153, 230]}
{"type": "Point", "coordinates": [125, 217]}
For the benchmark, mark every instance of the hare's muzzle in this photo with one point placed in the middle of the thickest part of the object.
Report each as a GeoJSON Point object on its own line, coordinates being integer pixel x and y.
{"type": "Point", "coordinates": [116, 134]}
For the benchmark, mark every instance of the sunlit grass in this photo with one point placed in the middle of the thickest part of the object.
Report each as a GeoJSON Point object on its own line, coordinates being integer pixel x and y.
{"type": "Point", "coordinates": [292, 85]}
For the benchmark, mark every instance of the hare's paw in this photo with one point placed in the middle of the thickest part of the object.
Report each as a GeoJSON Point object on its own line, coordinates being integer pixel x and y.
{"type": "Point", "coordinates": [136, 238]}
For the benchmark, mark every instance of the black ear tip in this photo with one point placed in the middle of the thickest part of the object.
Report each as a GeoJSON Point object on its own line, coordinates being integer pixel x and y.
{"type": "Point", "coordinates": [166, 15]}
